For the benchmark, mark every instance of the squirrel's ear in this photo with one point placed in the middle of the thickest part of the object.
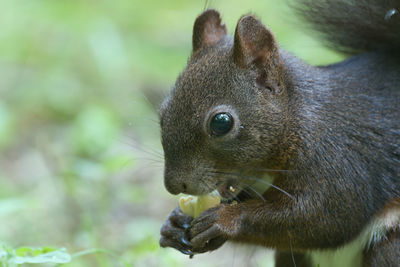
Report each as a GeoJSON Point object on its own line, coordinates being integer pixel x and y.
{"type": "Point", "coordinates": [254, 43]}
{"type": "Point", "coordinates": [207, 29]}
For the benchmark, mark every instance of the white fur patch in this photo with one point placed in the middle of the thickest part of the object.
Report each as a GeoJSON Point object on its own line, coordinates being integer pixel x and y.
{"type": "Point", "coordinates": [377, 230]}
{"type": "Point", "coordinates": [351, 254]}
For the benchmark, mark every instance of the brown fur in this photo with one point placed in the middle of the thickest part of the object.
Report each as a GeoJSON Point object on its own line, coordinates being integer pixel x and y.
{"type": "Point", "coordinates": [385, 253]}
{"type": "Point", "coordinates": [328, 136]}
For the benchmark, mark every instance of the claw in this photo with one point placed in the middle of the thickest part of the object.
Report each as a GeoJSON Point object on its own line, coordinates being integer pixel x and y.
{"type": "Point", "coordinates": [185, 225]}
{"type": "Point", "coordinates": [185, 241]}
{"type": "Point", "coordinates": [186, 252]}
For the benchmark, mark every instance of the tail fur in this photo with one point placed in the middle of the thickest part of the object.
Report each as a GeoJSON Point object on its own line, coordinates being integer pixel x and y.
{"type": "Point", "coordinates": [355, 26]}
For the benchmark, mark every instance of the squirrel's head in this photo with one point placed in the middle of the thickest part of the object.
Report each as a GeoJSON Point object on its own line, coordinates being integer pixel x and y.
{"type": "Point", "coordinates": [225, 116]}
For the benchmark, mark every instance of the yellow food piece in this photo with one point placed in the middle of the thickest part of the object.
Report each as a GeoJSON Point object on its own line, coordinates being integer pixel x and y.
{"type": "Point", "coordinates": [194, 205]}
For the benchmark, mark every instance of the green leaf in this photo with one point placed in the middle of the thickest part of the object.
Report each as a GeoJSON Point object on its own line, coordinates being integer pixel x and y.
{"type": "Point", "coordinates": [40, 255]}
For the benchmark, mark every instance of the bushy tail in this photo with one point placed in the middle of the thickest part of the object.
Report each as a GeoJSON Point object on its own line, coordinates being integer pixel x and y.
{"type": "Point", "coordinates": [354, 26]}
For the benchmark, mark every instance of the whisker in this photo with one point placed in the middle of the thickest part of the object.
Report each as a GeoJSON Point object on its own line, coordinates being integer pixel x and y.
{"type": "Point", "coordinates": [132, 137]}
{"type": "Point", "coordinates": [150, 118]}
{"type": "Point", "coordinates": [153, 150]}
{"type": "Point", "coordinates": [291, 251]}
{"type": "Point", "coordinates": [152, 166]}
{"type": "Point", "coordinates": [140, 148]}
{"type": "Point", "coordinates": [146, 99]}
{"type": "Point", "coordinates": [272, 185]}
{"type": "Point", "coordinates": [157, 122]}
{"type": "Point", "coordinates": [206, 5]}
{"type": "Point", "coordinates": [259, 180]}
{"type": "Point", "coordinates": [256, 192]}
{"type": "Point", "coordinates": [273, 170]}
{"type": "Point", "coordinates": [243, 188]}
{"type": "Point", "coordinates": [147, 158]}
{"type": "Point", "coordinates": [268, 170]}
{"type": "Point", "coordinates": [246, 191]}
{"type": "Point", "coordinates": [154, 163]}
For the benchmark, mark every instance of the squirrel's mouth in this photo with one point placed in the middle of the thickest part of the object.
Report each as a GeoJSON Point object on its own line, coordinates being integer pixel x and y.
{"type": "Point", "coordinates": [228, 190]}
{"type": "Point", "coordinates": [232, 191]}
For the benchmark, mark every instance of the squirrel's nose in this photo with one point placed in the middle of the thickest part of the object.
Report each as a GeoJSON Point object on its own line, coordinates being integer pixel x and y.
{"type": "Point", "coordinates": [174, 186]}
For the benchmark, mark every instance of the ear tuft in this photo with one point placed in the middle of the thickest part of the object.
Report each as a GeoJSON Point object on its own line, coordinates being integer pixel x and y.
{"type": "Point", "coordinates": [254, 43]}
{"type": "Point", "coordinates": [207, 29]}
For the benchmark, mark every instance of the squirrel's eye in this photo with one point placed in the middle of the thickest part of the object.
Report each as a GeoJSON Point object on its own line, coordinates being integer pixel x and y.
{"type": "Point", "coordinates": [221, 123]}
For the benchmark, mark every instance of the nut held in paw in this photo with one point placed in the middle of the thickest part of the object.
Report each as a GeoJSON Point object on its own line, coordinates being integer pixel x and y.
{"type": "Point", "coordinates": [194, 205]}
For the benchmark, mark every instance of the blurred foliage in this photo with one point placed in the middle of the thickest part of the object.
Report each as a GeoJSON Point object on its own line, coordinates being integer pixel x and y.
{"type": "Point", "coordinates": [80, 157]}
{"type": "Point", "coordinates": [15, 257]}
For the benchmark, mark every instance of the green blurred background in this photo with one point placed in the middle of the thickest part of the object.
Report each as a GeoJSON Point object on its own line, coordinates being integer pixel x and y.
{"type": "Point", "coordinates": [80, 158]}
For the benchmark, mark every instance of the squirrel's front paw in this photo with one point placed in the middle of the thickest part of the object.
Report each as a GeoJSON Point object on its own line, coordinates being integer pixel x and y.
{"type": "Point", "coordinates": [175, 230]}
{"type": "Point", "coordinates": [209, 231]}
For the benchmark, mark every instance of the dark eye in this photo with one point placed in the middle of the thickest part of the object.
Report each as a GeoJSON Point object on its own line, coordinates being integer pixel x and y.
{"type": "Point", "coordinates": [221, 123]}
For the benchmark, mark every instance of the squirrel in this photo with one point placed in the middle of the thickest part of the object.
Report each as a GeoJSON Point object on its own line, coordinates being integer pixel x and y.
{"type": "Point", "coordinates": [245, 111]}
